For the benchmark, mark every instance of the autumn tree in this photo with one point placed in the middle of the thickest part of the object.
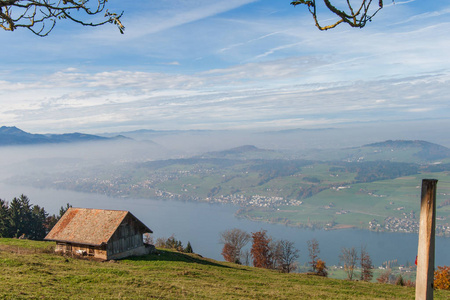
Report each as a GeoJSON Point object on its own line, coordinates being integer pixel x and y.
{"type": "Point", "coordinates": [234, 240]}
{"type": "Point", "coordinates": [261, 251]}
{"type": "Point", "coordinates": [321, 268]}
{"type": "Point", "coordinates": [366, 265]}
{"type": "Point", "coordinates": [349, 257]}
{"type": "Point", "coordinates": [313, 249]}
{"type": "Point", "coordinates": [228, 253]}
{"type": "Point", "coordinates": [40, 16]}
{"type": "Point", "coordinates": [442, 278]}
{"type": "Point", "coordinates": [355, 13]}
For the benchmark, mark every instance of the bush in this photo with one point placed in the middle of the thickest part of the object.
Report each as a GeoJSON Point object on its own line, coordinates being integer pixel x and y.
{"type": "Point", "coordinates": [321, 268]}
{"type": "Point", "coordinates": [399, 281]}
{"type": "Point", "coordinates": [442, 278]}
{"type": "Point", "coordinates": [385, 277]}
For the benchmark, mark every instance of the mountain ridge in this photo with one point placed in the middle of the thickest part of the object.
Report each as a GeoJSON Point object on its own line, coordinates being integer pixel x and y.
{"type": "Point", "coordinates": [13, 136]}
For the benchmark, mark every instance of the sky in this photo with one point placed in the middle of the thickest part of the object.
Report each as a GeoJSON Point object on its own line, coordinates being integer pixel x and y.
{"type": "Point", "coordinates": [237, 64]}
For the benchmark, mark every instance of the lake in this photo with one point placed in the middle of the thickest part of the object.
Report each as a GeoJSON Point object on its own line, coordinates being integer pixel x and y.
{"type": "Point", "coordinates": [201, 224]}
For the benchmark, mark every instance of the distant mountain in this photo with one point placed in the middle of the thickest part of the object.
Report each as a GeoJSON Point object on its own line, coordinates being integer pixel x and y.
{"type": "Point", "coordinates": [244, 152]}
{"type": "Point", "coordinates": [422, 149]}
{"type": "Point", "coordinates": [297, 130]}
{"type": "Point", "coordinates": [15, 136]}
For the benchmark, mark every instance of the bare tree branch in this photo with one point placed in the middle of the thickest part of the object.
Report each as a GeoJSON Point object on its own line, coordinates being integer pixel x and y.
{"type": "Point", "coordinates": [354, 16]}
{"type": "Point", "coordinates": [40, 16]}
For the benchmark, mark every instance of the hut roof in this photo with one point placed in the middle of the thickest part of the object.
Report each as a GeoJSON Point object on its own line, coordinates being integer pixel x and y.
{"type": "Point", "coordinates": [89, 226]}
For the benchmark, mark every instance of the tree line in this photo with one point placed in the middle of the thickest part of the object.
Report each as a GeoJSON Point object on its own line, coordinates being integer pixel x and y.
{"type": "Point", "coordinates": [21, 219]}
{"type": "Point", "coordinates": [282, 255]}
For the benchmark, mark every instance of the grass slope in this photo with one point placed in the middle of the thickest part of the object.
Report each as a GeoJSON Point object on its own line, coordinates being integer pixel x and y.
{"type": "Point", "coordinates": [31, 270]}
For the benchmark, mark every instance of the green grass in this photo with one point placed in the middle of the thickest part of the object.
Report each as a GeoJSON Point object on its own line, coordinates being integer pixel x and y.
{"type": "Point", "coordinates": [34, 273]}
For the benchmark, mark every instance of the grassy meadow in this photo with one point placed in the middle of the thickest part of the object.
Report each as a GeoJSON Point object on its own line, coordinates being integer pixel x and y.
{"type": "Point", "coordinates": [30, 270]}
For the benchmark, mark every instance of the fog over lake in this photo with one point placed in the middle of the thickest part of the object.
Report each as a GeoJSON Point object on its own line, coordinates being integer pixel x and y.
{"type": "Point", "coordinates": [201, 224]}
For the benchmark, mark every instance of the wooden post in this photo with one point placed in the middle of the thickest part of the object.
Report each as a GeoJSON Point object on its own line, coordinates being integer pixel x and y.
{"type": "Point", "coordinates": [425, 253]}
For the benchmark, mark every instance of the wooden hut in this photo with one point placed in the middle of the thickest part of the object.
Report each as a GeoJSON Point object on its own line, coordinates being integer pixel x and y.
{"type": "Point", "coordinates": [101, 233]}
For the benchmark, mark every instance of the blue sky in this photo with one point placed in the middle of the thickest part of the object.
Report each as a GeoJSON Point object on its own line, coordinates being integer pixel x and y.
{"type": "Point", "coordinates": [240, 64]}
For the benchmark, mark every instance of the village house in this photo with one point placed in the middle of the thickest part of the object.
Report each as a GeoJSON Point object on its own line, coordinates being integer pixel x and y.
{"type": "Point", "coordinates": [103, 234]}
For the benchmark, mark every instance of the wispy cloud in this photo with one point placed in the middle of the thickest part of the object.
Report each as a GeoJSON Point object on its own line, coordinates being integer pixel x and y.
{"type": "Point", "coordinates": [155, 100]}
{"type": "Point", "coordinates": [262, 64]}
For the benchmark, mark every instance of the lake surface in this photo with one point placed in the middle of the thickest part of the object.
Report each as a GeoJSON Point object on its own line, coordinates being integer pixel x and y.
{"type": "Point", "coordinates": [201, 224]}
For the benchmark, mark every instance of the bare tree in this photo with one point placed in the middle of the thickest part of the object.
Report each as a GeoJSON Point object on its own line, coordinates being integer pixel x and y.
{"type": "Point", "coordinates": [313, 249]}
{"type": "Point", "coordinates": [246, 257]}
{"type": "Point", "coordinates": [40, 16]}
{"type": "Point", "coordinates": [285, 256]}
{"type": "Point", "coordinates": [356, 13]}
{"type": "Point", "coordinates": [366, 265]}
{"type": "Point", "coordinates": [148, 238]}
{"type": "Point", "coordinates": [349, 257]}
{"type": "Point", "coordinates": [160, 242]}
{"type": "Point", "coordinates": [234, 240]}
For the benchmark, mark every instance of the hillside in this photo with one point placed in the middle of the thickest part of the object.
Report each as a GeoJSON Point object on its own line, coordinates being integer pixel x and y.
{"type": "Point", "coordinates": [243, 153]}
{"type": "Point", "coordinates": [31, 270]}
{"type": "Point", "coordinates": [15, 136]}
{"type": "Point", "coordinates": [422, 150]}
{"type": "Point", "coordinates": [410, 151]}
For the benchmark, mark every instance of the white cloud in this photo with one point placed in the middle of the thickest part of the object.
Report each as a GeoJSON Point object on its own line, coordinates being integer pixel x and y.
{"type": "Point", "coordinates": [151, 77]}
{"type": "Point", "coordinates": [155, 100]}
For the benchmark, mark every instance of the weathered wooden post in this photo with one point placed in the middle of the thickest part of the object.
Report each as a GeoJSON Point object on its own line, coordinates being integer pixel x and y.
{"type": "Point", "coordinates": [425, 253]}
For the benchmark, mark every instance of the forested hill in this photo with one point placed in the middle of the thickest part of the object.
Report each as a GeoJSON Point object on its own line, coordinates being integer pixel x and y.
{"type": "Point", "coordinates": [423, 150]}
{"type": "Point", "coordinates": [16, 136]}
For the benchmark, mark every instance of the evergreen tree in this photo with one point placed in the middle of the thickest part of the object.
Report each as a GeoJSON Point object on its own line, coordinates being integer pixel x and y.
{"type": "Point", "coordinates": [20, 216]}
{"type": "Point", "coordinates": [188, 248]}
{"type": "Point", "coordinates": [63, 210]}
{"type": "Point", "coordinates": [4, 219]}
{"type": "Point", "coordinates": [37, 230]}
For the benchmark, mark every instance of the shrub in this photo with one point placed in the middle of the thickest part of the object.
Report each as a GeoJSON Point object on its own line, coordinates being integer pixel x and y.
{"type": "Point", "coordinates": [442, 278]}
{"type": "Point", "coordinates": [321, 268]}
{"type": "Point", "coordinates": [399, 280]}
{"type": "Point", "coordinates": [385, 276]}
